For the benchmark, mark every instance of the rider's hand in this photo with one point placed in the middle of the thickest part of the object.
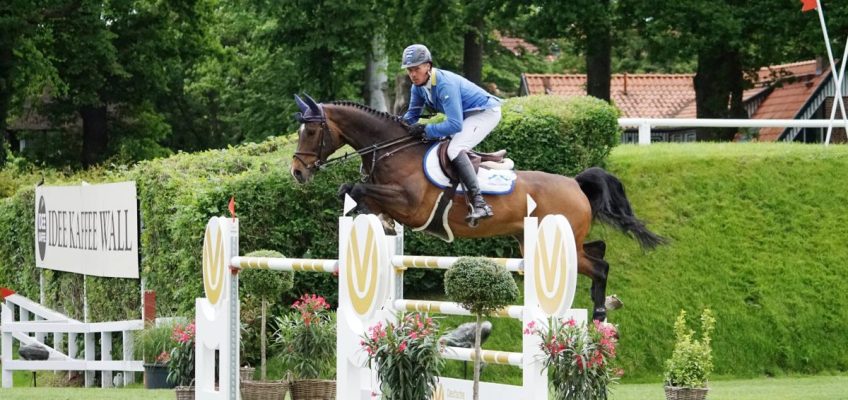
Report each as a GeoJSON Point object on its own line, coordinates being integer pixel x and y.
{"type": "Point", "coordinates": [418, 131]}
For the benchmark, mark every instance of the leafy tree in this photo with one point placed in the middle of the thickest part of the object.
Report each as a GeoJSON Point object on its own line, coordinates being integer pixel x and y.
{"type": "Point", "coordinates": [482, 287]}
{"type": "Point", "coordinates": [589, 23]}
{"type": "Point", "coordinates": [25, 69]}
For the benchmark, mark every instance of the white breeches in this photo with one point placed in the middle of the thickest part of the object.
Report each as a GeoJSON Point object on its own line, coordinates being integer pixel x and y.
{"type": "Point", "coordinates": [474, 129]}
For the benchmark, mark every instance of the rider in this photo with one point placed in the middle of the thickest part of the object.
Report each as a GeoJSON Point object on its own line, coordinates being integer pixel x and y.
{"type": "Point", "coordinates": [471, 114]}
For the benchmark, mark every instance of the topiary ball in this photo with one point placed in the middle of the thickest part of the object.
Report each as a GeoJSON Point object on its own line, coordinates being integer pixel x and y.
{"type": "Point", "coordinates": [480, 285]}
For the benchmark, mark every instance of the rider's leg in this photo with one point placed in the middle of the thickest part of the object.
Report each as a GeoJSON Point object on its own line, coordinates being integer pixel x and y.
{"type": "Point", "coordinates": [475, 128]}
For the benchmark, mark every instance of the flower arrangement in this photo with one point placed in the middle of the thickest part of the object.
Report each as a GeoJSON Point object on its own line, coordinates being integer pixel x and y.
{"type": "Point", "coordinates": [578, 358]}
{"type": "Point", "coordinates": [306, 339]}
{"type": "Point", "coordinates": [691, 362]}
{"type": "Point", "coordinates": [150, 343]}
{"type": "Point", "coordinates": [181, 364]}
{"type": "Point", "coordinates": [407, 355]}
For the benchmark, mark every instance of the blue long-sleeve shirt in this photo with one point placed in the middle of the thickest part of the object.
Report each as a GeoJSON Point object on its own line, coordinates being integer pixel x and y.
{"type": "Point", "coordinates": [452, 95]}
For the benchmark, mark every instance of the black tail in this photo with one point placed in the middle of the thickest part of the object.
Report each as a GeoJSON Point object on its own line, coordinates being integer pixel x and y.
{"type": "Point", "coordinates": [610, 206]}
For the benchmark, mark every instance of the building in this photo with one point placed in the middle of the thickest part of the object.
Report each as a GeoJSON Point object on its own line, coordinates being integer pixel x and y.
{"type": "Point", "coordinates": [802, 90]}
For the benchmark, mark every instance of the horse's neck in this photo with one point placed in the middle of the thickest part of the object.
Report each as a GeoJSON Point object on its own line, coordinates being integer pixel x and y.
{"type": "Point", "coordinates": [361, 129]}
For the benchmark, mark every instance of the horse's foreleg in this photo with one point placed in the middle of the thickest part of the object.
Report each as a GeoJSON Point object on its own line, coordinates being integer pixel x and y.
{"type": "Point", "coordinates": [592, 264]}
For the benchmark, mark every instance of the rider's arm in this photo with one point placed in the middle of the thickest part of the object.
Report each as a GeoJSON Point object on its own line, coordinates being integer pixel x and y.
{"type": "Point", "coordinates": [416, 105]}
{"type": "Point", "coordinates": [451, 101]}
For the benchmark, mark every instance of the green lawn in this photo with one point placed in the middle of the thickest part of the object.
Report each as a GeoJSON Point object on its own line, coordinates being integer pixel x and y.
{"type": "Point", "coordinates": [791, 388]}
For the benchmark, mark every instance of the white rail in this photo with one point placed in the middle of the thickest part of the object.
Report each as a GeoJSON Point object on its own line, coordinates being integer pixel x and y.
{"type": "Point", "coordinates": [35, 322]}
{"type": "Point", "coordinates": [646, 124]}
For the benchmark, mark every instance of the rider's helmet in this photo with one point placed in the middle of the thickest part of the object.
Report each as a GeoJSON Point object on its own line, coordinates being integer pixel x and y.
{"type": "Point", "coordinates": [414, 55]}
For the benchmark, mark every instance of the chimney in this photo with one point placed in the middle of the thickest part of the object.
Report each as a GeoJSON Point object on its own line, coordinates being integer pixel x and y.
{"type": "Point", "coordinates": [821, 65]}
{"type": "Point", "coordinates": [625, 83]}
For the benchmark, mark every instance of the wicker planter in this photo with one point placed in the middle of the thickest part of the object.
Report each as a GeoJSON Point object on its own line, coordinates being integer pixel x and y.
{"type": "Point", "coordinates": [185, 392]}
{"type": "Point", "coordinates": [313, 389]}
{"type": "Point", "coordinates": [259, 390]}
{"type": "Point", "coordinates": [246, 373]}
{"type": "Point", "coordinates": [684, 393]}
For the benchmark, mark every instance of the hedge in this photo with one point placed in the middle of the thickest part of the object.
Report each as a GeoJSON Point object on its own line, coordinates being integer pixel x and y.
{"type": "Point", "coordinates": [180, 193]}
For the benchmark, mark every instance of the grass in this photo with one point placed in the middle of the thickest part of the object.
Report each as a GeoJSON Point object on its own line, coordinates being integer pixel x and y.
{"type": "Point", "coordinates": [785, 388]}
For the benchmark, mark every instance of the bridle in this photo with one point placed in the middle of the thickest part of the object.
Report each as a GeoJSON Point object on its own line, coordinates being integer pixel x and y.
{"type": "Point", "coordinates": [325, 131]}
{"type": "Point", "coordinates": [405, 141]}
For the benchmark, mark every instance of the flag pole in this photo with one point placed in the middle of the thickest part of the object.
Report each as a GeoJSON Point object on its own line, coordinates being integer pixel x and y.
{"type": "Point", "coordinates": [837, 78]}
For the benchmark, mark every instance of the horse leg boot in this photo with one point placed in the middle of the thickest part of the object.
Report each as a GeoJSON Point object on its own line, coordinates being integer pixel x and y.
{"type": "Point", "coordinates": [465, 170]}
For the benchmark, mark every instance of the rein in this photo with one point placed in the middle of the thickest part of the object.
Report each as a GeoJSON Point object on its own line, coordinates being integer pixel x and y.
{"type": "Point", "coordinates": [373, 149]}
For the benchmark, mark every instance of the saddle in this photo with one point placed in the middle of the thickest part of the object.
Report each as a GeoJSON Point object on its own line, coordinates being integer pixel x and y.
{"type": "Point", "coordinates": [495, 160]}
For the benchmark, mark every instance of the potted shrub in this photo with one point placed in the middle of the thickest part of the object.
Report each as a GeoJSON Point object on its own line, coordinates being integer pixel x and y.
{"type": "Point", "coordinates": [407, 355]}
{"type": "Point", "coordinates": [306, 341]}
{"type": "Point", "coordinates": [482, 287]}
{"type": "Point", "coordinates": [690, 365]}
{"type": "Point", "coordinates": [181, 365]}
{"type": "Point", "coordinates": [153, 345]}
{"type": "Point", "coordinates": [578, 358]}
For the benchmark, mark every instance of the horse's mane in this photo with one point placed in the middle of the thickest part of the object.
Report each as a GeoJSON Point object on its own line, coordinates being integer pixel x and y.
{"type": "Point", "coordinates": [381, 114]}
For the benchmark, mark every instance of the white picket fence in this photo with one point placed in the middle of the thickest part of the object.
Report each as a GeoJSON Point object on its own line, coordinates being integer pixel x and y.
{"type": "Point", "coordinates": [28, 322]}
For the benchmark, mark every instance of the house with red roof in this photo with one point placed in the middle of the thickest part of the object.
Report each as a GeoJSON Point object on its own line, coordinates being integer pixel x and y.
{"type": "Point", "coordinates": [801, 90]}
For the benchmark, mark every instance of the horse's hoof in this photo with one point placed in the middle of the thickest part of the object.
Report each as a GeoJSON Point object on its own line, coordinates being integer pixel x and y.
{"type": "Point", "coordinates": [473, 222]}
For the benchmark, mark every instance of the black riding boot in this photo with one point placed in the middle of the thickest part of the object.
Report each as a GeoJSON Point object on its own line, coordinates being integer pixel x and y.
{"type": "Point", "coordinates": [479, 208]}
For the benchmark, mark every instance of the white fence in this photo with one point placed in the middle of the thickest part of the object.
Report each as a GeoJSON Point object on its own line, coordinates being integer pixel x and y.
{"type": "Point", "coordinates": [646, 124]}
{"type": "Point", "coordinates": [29, 322]}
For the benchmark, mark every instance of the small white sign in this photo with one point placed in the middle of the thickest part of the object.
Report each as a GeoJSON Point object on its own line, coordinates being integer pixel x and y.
{"type": "Point", "coordinates": [91, 229]}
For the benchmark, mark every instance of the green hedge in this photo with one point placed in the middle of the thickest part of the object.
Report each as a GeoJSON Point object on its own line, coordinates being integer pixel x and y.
{"type": "Point", "coordinates": [179, 194]}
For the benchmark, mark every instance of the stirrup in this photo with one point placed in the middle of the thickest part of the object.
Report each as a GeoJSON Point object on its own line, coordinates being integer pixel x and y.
{"type": "Point", "coordinates": [484, 212]}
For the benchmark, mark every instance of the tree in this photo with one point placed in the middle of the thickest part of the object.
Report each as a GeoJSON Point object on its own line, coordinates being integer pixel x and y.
{"type": "Point", "coordinates": [25, 69]}
{"type": "Point", "coordinates": [266, 285]}
{"type": "Point", "coordinates": [589, 23]}
{"type": "Point", "coordinates": [482, 287]}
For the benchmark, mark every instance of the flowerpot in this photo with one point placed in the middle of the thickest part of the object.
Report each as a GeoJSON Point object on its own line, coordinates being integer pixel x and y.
{"type": "Point", "coordinates": [260, 390]}
{"type": "Point", "coordinates": [185, 392]}
{"type": "Point", "coordinates": [313, 389]}
{"type": "Point", "coordinates": [684, 393]}
{"type": "Point", "coordinates": [156, 377]}
{"type": "Point", "coordinates": [246, 373]}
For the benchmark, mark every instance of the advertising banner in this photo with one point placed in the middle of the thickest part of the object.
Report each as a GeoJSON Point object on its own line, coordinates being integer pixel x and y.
{"type": "Point", "coordinates": [89, 229]}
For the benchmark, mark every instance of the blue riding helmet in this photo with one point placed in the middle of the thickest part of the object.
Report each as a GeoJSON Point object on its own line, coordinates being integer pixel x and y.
{"type": "Point", "coordinates": [414, 55]}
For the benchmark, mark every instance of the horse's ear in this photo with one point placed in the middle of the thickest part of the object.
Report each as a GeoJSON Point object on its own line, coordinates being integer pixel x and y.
{"type": "Point", "coordinates": [313, 105]}
{"type": "Point", "coordinates": [300, 104]}
{"type": "Point", "coordinates": [299, 117]}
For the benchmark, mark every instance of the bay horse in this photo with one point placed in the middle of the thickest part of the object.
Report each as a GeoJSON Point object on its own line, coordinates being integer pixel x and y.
{"type": "Point", "coordinates": [394, 183]}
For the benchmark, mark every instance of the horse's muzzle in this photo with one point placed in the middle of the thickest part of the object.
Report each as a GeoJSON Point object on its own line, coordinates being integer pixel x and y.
{"type": "Point", "coordinates": [301, 175]}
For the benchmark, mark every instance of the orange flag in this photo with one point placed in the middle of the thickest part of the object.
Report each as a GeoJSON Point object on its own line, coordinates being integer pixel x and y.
{"type": "Point", "coordinates": [232, 207]}
{"type": "Point", "coordinates": [809, 5]}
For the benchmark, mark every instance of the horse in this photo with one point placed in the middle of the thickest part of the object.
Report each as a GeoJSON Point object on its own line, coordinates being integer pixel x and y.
{"type": "Point", "coordinates": [395, 184]}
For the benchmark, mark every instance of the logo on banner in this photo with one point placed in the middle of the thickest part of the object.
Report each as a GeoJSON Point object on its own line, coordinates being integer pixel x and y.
{"type": "Point", "coordinates": [363, 269]}
{"type": "Point", "coordinates": [41, 228]}
{"type": "Point", "coordinates": [550, 264]}
{"type": "Point", "coordinates": [213, 263]}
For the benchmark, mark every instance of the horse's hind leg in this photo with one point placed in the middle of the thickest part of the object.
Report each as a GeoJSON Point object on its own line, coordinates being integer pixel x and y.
{"type": "Point", "coordinates": [592, 264]}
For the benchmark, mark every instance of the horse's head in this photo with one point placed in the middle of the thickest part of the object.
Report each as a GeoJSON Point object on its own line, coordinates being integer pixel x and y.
{"type": "Point", "coordinates": [316, 140]}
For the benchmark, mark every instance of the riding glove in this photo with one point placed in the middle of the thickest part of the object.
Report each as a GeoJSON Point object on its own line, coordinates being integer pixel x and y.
{"type": "Point", "coordinates": [418, 131]}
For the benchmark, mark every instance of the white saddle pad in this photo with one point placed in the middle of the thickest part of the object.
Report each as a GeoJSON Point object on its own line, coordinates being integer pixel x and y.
{"type": "Point", "coordinates": [492, 181]}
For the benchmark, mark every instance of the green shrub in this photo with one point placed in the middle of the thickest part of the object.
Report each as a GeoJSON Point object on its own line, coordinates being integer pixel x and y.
{"type": "Point", "coordinates": [555, 134]}
{"type": "Point", "coordinates": [691, 363]}
{"type": "Point", "coordinates": [153, 344]}
{"type": "Point", "coordinates": [480, 285]}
